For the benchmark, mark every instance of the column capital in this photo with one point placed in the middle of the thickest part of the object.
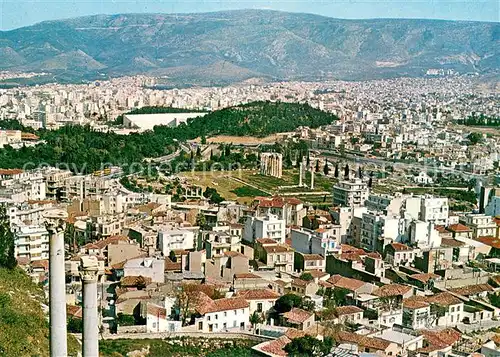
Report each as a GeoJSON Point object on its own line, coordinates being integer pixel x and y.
{"type": "Point", "coordinates": [89, 268]}
{"type": "Point", "coordinates": [89, 276]}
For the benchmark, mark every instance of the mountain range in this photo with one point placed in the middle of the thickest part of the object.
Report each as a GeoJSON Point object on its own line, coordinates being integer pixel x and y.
{"type": "Point", "coordinates": [224, 47]}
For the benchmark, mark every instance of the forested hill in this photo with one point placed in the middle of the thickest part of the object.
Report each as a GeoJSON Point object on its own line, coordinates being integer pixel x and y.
{"type": "Point", "coordinates": [85, 150]}
{"type": "Point", "coordinates": [252, 119]}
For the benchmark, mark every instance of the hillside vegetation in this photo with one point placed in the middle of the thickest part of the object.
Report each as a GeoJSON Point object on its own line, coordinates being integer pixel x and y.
{"type": "Point", "coordinates": [23, 325]}
{"type": "Point", "coordinates": [84, 150]}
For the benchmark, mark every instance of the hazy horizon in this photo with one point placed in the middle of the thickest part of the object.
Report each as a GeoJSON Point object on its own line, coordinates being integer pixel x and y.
{"type": "Point", "coordinates": [22, 13]}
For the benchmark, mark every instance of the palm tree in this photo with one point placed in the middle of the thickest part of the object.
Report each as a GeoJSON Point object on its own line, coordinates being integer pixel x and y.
{"type": "Point", "coordinates": [255, 319]}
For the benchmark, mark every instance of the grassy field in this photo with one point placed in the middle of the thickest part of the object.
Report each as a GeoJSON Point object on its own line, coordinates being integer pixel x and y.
{"type": "Point", "coordinates": [243, 185]}
{"type": "Point", "coordinates": [289, 178]}
{"type": "Point", "coordinates": [229, 188]}
{"type": "Point", "coordinates": [162, 348]}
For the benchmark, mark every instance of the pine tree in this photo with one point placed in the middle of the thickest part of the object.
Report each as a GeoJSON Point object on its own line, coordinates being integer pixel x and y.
{"type": "Point", "coordinates": [346, 171]}
{"type": "Point", "coordinates": [370, 182]}
{"type": "Point", "coordinates": [326, 169]}
{"type": "Point", "coordinates": [337, 170]}
{"type": "Point", "coordinates": [211, 155]}
{"type": "Point", "coordinates": [317, 165]}
{"type": "Point", "coordinates": [360, 172]}
{"type": "Point", "coordinates": [7, 255]}
{"type": "Point", "coordinates": [198, 152]}
{"type": "Point", "coordinates": [308, 162]}
{"type": "Point", "coordinates": [299, 160]}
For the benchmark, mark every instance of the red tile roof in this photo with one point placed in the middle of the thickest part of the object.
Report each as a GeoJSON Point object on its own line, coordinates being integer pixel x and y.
{"type": "Point", "coordinates": [347, 310]}
{"type": "Point", "coordinates": [157, 311]}
{"type": "Point", "coordinates": [266, 241]}
{"type": "Point", "coordinates": [363, 341]}
{"type": "Point", "coordinates": [392, 290]}
{"type": "Point", "coordinates": [209, 305]}
{"type": "Point", "coordinates": [459, 227]}
{"type": "Point", "coordinates": [424, 277]}
{"type": "Point", "coordinates": [345, 283]}
{"type": "Point", "coordinates": [276, 346]}
{"type": "Point", "coordinates": [399, 247]}
{"type": "Point", "coordinates": [11, 172]}
{"type": "Point", "coordinates": [43, 264]}
{"type": "Point", "coordinates": [472, 289]}
{"type": "Point", "coordinates": [246, 276]}
{"type": "Point", "coordinates": [446, 242]}
{"type": "Point", "coordinates": [441, 339]}
{"type": "Point", "coordinates": [415, 302]}
{"type": "Point", "coordinates": [312, 257]}
{"type": "Point", "coordinates": [297, 315]}
{"type": "Point", "coordinates": [74, 311]}
{"type": "Point", "coordinates": [444, 299]}
{"type": "Point", "coordinates": [258, 294]}
{"type": "Point", "coordinates": [490, 241]}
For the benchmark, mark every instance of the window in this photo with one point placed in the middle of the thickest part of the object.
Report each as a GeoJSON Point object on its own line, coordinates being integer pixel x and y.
{"type": "Point", "coordinates": [234, 323]}
{"type": "Point", "coordinates": [458, 308]}
{"type": "Point", "coordinates": [225, 313]}
{"type": "Point", "coordinates": [452, 309]}
{"type": "Point", "coordinates": [451, 318]}
{"type": "Point", "coordinates": [208, 317]}
{"type": "Point", "coordinates": [259, 307]}
{"type": "Point", "coordinates": [216, 316]}
{"type": "Point", "coordinates": [154, 324]}
{"type": "Point", "coordinates": [236, 312]}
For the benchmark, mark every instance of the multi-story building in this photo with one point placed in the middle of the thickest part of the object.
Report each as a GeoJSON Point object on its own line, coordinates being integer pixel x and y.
{"type": "Point", "coordinates": [434, 209]}
{"type": "Point", "coordinates": [481, 225]}
{"type": "Point", "coordinates": [176, 239]}
{"type": "Point", "coordinates": [389, 204]}
{"type": "Point", "coordinates": [269, 226]}
{"type": "Point", "coordinates": [375, 226]}
{"type": "Point", "coordinates": [423, 234]}
{"type": "Point", "coordinates": [55, 180]}
{"type": "Point", "coordinates": [352, 193]}
{"type": "Point", "coordinates": [274, 256]}
{"type": "Point", "coordinates": [99, 227]}
{"type": "Point", "coordinates": [222, 314]}
{"type": "Point", "coordinates": [32, 243]}
{"type": "Point", "coordinates": [321, 241]}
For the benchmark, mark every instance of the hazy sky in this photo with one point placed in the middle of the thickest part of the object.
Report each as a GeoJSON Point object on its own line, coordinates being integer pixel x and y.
{"type": "Point", "coordinates": [18, 13]}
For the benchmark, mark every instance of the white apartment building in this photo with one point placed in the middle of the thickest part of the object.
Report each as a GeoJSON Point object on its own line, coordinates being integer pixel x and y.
{"type": "Point", "coordinates": [147, 267]}
{"type": "Point", "coordinates": [423, 234]}
{"type": "Point", "coordinates": [344, 216]}
{"type": "Point", "coordinates": [352, 193]}
{"type": "Point", "coordinates": [481, 225]}
{"type": "Point", "coordinates": [31, 242]}
{"type": "Point", "coordinates": [390, 204]}
{"type": "Point", "coordinates": [23, 185]}
{"type": "Point", "coordinates": [176, 239]}
{"type": "Point", "coordinates": [434, 209]}
{"type": "Point", "coordinates": [83, 186]}
{"type": "Point", "coordinates": [269, 226]}
{"type": "Point", "coordinates": [223, 314]}
{"type": "Point", "coordinates": [377, 225]}
{"type": "Point", "coordinates": [321, 241]}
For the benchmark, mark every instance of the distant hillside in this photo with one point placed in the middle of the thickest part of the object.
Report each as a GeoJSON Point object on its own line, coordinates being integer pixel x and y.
{"type": "Point", "coordinates": [224, 47]}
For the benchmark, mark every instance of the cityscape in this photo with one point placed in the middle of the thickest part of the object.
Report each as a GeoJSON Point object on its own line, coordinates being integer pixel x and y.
{"type": "Point", "coordinates": [261, 214]}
